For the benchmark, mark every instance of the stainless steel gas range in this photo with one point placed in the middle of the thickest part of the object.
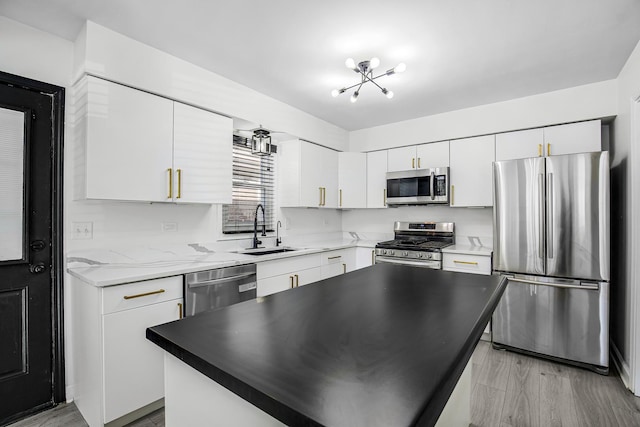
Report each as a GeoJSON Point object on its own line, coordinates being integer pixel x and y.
{"type": "Point", "coordinates": [417, 243]}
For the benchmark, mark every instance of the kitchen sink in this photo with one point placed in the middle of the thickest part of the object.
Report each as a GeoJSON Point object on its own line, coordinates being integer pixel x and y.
{"type": "Point", "coordinates": [266, 251]}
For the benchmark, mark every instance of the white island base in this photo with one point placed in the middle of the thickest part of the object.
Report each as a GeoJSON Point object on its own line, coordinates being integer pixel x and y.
{"type": "Point", "coordinates": [194, 400]}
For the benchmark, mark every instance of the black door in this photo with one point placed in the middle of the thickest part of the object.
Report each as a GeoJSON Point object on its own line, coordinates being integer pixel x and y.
{"type": "Point", "coordinates": [30, 304]}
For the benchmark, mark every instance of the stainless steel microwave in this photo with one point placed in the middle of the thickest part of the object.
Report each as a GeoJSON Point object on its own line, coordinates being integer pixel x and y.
{"type": "Point", "coordinates": [418, 187]}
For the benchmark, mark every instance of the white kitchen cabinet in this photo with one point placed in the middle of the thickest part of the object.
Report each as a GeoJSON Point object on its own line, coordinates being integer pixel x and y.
{"type": "Point", "coordinates": [136, 146]}
{"type": "Point", "coordinates": [471, 171]}
{"type": "Point", "coordinates": [202, 156]}
{"type": "Point", "coordinates": [352, 180]}
{"type": "Point", "coordinates": [520, 145]}
{"type": "Point", "coordinates": [365, 257]}
{"type": "Point", "coordinates": [423, 156]}
{"type": "Point", "coordinates": [549, 141]}
{"type": "Point", "coordinates": [338, 262]}
{"type": "Point", "coordinates": [572, 138]}
{"type": "Point", "coordinates": [308, 175]}
{"type": "Point", "coordinates": [401, 159]}
{"type": "Point", "coordinates": [433, 155]}
{"type": "Point", "coordinates": [286, 273]}
{"type": "Point", "coordinates": [376, 179]}
{"type": "Point", "coordinates": [118, 370]}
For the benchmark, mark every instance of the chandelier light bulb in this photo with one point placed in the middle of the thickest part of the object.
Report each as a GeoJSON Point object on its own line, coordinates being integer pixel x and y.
{"type": "Point", "coordinates": [400, 68]}
{"type": "Point", "coordinates": [374, 63]}
{"type": "Point", "coordinates": [389, 94]}
{"type": "Point", "coordinates": [354, 97]}
{"type": "Point", "coordinates": [350, 63]}
{"type": "Point", "coordinates": [335, 93]}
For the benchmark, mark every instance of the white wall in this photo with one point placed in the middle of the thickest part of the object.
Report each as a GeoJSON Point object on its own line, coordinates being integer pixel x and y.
{"type": "Point", "coordinates": [625, 221]}
{"type": "Point", "coordinates": [591, 101]}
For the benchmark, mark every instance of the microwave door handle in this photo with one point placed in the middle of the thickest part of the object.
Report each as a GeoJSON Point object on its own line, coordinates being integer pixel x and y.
{"type": "Point", "coordinates": [433, 185]}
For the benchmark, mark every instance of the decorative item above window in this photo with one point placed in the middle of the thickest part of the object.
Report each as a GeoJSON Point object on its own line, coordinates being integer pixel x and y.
{"type": "Point", "coordinates": [365, 69]}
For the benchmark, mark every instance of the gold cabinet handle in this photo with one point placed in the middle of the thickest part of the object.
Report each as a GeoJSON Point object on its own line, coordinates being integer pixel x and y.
{"type": "Point", "coordinates": [324, 196]}
{"type": "Point", "coordinates": [320, 202]}
{"type": "Point", "coordinates": [340, 197]}
{"type": "Point", "coordinates": [344, 268]}
{"type": "Point", "coordinates": [548, 149]}
{"type": "Point", "coordinates": [413, 163]}
{"type": "Point", "coordinates": [180, 310]}
{"type": "Point", "coordinates": [465, 262]}
{"type": "Point", "coordinates": [418, 162]}
{"type": "Point", "coordinates": [335, 257]}
{"type": "Point", "coordinates": [373, 254]}
{"type": "Point", "coordinates": [179, 171]}
{"type": "Point", "coordinates": [384, 197]}
{"type": "Point", "coordinates": [539, 150]}
{"type": "Point", "coordinates": [146, 294]}
{"type": "Point", "coordinates": [297, 280]}
{"type": "Point", "coordinates": [170, 171]}
{"type": "Point", "coordinates": [452, 195]}
{"type": "Point", "coordinates": [291, 281]}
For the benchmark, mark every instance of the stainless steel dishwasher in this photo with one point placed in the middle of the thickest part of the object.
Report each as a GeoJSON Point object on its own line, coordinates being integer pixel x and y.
{"type": "Point", "coordinates": [211, 289]}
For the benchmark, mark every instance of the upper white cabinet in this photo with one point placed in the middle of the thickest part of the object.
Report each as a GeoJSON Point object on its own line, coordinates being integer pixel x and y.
{"type": "Point", "coordinates": [308, 175]}
{"type": "Point", "coordinates": [376, 179]}
{"type": "Point", "coordinates": [471, 172]}
{"type": "Point", "coordinates": [418, 156]}
{"type": "Point", "coordinates": [520, 145]}
{"type": "Point", "coordinates": [434, 155]}
{"type": "Point", "coordinates": [352, 180]}
{"type": "Point", "coordinates": [202, 156]}
{"type": "Point", "coordinates": [579, 137]}
{"type": "Point", "coordinates": [549, 141]}
{"type": "Point", "coordinates": [133, 145]}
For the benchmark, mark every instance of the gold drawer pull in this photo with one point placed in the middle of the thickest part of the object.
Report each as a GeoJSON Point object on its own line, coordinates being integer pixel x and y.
{"type": "Point", "coordinates": [297, 280]}
{"type": "Point", "coordinates": [418, 162]}
{"type": "Point", "coordinates": [373, 255]}
{"type": "Point", "coordinates": [539, 150]}
{"type": "Point", "coordinates": [170, 171]}
{"type": "Point", "coordinates": [344, 268]}
{"type": "Point", "coordinates": [465, 262]}
{"type": "Point", "coordinates": [413, 163]}
{"type": "Point", "coordinates": [548, 149]}
{"type": "Point", "coordinates": [335, 257]}
{"type": "Point", "coordinates": [146, 294]}
{"type": "Point", "coordinates": [179, 171]}
{"type": "Point", "coordinates": [291, 281]}
{"type": "Point", "coordinates": [180, 310]}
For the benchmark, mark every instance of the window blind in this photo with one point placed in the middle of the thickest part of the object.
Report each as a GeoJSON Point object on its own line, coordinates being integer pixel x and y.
{"type": "Point", "coordinates": [253, 183]}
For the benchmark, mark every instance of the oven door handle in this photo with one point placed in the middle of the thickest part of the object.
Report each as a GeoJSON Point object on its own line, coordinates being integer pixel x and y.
{"type": "Point", "coordinates": [428, 264]}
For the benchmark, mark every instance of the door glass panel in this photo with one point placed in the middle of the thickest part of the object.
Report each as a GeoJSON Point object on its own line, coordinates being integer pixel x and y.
{"type": "Point", "coordinates": [11, 184]}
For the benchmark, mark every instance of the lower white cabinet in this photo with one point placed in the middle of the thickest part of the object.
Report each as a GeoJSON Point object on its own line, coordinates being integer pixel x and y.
{"type": "Point", "coordinates": [117, 370]}
{"type": "Point", "coordinates": [365, 257]}
{"type": "Point", "coordinates": [282, 274]}
{"type": "Point", "coordinates": [338, 262]}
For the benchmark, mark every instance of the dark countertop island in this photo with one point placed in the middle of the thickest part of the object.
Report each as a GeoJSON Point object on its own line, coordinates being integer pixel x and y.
{"type": "Point", "coordinates": [380, 346]}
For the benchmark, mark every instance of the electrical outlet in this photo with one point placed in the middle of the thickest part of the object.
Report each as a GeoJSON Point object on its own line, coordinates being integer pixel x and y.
{"type": "Point", "coordinates": [82, 230]}
{"type": "Point", "coordinates": [169, 227]}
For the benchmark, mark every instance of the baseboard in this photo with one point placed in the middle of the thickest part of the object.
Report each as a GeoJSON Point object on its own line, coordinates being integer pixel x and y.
{"type": "Point", "coordinates": [70, 393]}
{"type": "Point", "coordinates": [621, 366]}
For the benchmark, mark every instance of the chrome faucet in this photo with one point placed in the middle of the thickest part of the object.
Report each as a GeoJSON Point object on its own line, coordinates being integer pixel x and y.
{"type": "Point", "coordinates": [278, 239]}
{"type": "Point", "coordinates": [256, 242]}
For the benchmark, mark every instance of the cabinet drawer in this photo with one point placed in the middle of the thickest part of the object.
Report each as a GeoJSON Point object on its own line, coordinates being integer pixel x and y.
{"type": "Point", "coordinates": [125, 297]}
{"type": "Point", "coordinates": [478, 264]}
{"type": "Point", "coordinates": [287, 265]}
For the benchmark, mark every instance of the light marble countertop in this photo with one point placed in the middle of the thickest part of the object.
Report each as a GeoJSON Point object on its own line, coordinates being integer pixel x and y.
{"type": "Point", "coordinates": [104, 267]}
{"type": "Point", "coordinates": [466, 249]}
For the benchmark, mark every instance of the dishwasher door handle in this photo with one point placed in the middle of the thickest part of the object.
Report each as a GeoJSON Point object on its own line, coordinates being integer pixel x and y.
{"type": "Point", "coordinates": [216, 281]}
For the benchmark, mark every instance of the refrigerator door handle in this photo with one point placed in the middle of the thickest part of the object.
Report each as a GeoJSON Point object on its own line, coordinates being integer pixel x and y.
{"type": "Point", "coordinates": [586, 287]}
{"type": "Point", "coordinates": [550, 213]}
{"type": "Point", "coordinates": [541, 216]}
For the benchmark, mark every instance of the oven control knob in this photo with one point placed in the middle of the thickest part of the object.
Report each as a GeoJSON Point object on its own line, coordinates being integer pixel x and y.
{"type": "Point", "coordinates": [384, 251]}
{"type": "Point", "coordinates": [420, 255]}
{"type": "Point", "coordinates": [405, 253]}
{"type": "Point", "coordinates": [392, 252]}
{"type": "Point", "coordinates": [429, 256]}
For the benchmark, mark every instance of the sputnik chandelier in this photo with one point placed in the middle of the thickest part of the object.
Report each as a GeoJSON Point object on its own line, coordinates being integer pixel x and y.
{"type": "Point", "coordinates": [365, 69]}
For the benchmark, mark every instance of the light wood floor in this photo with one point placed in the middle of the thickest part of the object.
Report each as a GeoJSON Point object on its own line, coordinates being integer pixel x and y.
{"type": "Point", "coordinates": [508, 390]}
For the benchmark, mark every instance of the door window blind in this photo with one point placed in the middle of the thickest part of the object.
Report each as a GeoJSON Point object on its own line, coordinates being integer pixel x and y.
{"type": "Point", "coordinates": [253, 183]}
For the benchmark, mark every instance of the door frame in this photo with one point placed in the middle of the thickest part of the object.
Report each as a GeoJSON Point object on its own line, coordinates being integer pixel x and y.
{"type": "Point", "coordinates": [634, 225]}
{"type": "Point", "coordinates": [57, 94]}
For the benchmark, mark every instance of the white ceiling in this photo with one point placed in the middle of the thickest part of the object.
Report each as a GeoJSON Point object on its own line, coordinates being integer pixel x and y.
{"type": "Point", "coordinates": [459, 53]}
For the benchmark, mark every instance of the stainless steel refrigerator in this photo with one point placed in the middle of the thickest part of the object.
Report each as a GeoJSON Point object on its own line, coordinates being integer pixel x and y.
{"type": "Point", "coordinates": [551, 240]}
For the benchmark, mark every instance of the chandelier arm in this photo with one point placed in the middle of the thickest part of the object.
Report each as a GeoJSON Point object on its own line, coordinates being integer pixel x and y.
{"type": "Point", "coordinates": [371, 80]}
